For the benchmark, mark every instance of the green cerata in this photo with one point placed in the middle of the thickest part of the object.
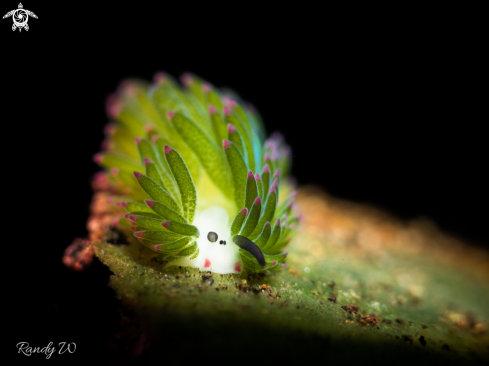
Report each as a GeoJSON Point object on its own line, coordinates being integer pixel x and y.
{"type": "Point", "coordinates": [200, 183]}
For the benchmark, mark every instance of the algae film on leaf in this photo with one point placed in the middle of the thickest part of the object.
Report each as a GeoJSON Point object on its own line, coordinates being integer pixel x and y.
{"type": "Point", "coordinates": [190, 164]}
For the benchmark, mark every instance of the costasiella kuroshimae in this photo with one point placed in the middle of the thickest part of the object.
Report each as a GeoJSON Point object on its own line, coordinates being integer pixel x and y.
{"type": "Point", "coordinates": [200, 184]}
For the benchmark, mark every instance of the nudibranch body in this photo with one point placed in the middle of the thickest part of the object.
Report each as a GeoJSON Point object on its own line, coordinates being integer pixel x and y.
{"type": "Point", "coordinates": [198, 180]}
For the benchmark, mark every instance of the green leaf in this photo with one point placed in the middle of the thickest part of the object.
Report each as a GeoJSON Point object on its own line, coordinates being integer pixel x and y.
{"type": "Point", "coordinates": [251, 191]}
{"type": "Point", "coordinates": [218, 125]}
{"type": "Point", "coordinates": [265, 178]}
{"type": "Point", "coordinates": [252, 218]}
{"type": "Point", "coordinates": [235, 137]}
{"type": "Point", "coordinates": [207, 151]}
{"type": "Point", "coordinates": [238, 169]}
{"type": "Point", "coordinates": [251, 264]}
{"type": "Point", "coordinates": [264, 236]}
{"type": "Point", "coordinates": [180, 228]}
{"type": "Point", "coordinates": [108, 160]}
{"type": "Point", "coordinates": [189, 250]}
{"type": "Point", "coordinates": [171, 247]}
{"type": "Point", "coordinates": [238, 221]}
{"type": "Point", "coordinates": [154, 173]}
{"type": "Point", "coordinates": [259, 184]}
{"type": "Point", "coordinates": [136, 206]}
{"type": "Point", "coordinates": [145, 214]}
{"type": "Point", "coordinates": [267, 213]}
{"type": "Point", "coordinates": [245, 135]}
{"type": "Point", "coordinates": [188, 192]}
{"type": "Point", "coordinates": [164, 236]}
{"type": "Point", "coordinates": [165, 211]}
{"type": "Point", "coordinates": [277, 230]}
{"type": "Point", "coordinates": [156, 192]}
{"type": "Point", "coordinates": [146, 222]}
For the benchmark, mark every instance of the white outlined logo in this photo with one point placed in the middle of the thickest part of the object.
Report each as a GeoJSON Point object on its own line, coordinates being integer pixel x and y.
{"type": "Point", "coordinates": [20, 17]}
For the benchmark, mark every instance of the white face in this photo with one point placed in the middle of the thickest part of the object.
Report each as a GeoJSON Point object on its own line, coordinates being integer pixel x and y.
{"type": "Point", "coordinates": [213, 256]}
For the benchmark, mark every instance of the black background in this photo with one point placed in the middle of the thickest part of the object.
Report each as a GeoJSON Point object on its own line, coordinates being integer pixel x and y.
{"type": "Point", "coordinates": [381, 105]}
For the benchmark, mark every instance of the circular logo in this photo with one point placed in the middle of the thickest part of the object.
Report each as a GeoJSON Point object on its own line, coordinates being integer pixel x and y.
{"type": "Point", "coordinates": [20, 17]}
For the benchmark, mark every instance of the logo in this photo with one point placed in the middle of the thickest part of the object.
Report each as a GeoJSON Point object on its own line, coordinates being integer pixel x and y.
{"type": "Point", "coordinates": [20, 17]}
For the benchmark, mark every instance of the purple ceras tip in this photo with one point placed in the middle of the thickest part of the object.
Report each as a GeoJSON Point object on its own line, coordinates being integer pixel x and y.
{"type": "Point", "coordinates": [206, 88]}
{"type": "Point", "coordinates": [250, 175]}
{"type": "Point", "coordinates": [150, 203]}
{"type": "Point", "coordinates": [159, 77]}
{"type": "Point", "coordinates": [257, 201]}
{"type": "Point", "coordinates": [212, 109]}
{"type": "Point", "coordinates": [97, 158]}
{"type": "Point", "coordinates": [244, 211]}
{"type": "Point", "coordinates": [227, 110]}
{"type": "Point", "coordinates": [165, 224]}
{"type": "Point", "coordinates": [167, 149]}
{"type": "Point", "coordinates": [147, 161]}
{"type": "Point", "coordinates": [266, 169]}
{"type": "Point", "coordinates": [231, 128]}
{"type": "Point", "coordinates": [137, 175]}
{"type": "Point", "coordinates": [226, 144]}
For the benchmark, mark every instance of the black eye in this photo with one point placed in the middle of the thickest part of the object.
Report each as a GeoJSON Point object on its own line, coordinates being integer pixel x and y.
{"type": "Point", "coordinates": [220, 242]}
{"type": "Point", "coordinates": [212, 236]}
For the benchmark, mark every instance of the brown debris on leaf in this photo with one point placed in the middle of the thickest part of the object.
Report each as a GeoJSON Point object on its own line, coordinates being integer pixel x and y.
{"type": "Point", "coordinates": [350, 308]}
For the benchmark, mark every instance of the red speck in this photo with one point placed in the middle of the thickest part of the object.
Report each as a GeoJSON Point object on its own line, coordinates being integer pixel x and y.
{"type": "Point", "coordinates": [237, 266]}
{"type": "Point", "coordinates": [207, 263]}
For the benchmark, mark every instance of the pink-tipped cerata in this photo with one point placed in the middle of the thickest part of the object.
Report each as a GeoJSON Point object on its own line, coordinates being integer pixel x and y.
{"type": "Point", "coordinates": [231, 128]}
{"type": "Point", "coordinates": [225, 144]}
{"type": "Point", "coordinates": [257, 201]}
{"type": "Point", "coordinates": [212, 109]}
{"type": "Point", "coordinates": [167, 149]}
{"type": "Point", "coordinates": [138, 140]}
{"type": "Point", "coordinates": [137, 175]}
{"type": "Point", "coordinates": [244, 211]}
{"type": "Point", "coordinates": [138, 234]}
{"type": "Point", "coordinates": [250, 175]}
{"type": "Point", "coordinates": [170, 114]}
{"type": "Point", "coordinates": [150, 203]}
{"type": "Point", "coordinates": [277, 223]}
{"type": "Point", "coordinates": [266, 169]}
{"type": "Point", "coordinates": [147, 161]}
{"type": "Point", "coordinates": [97, 158]}
{"type": "Point", "coordinates": [165, 224]}
{"type": "Point", "coordinates": [257, 176]}
{"type": "Point", "coordinates": [227, 110]}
